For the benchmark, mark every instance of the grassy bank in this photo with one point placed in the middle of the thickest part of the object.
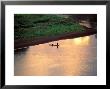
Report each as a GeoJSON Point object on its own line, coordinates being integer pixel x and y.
{"type": "Point", "coordinates": [28, 26]}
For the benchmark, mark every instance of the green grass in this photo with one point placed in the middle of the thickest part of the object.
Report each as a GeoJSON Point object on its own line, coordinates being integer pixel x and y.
{"type": "Point", "coordinates": [30, 26]}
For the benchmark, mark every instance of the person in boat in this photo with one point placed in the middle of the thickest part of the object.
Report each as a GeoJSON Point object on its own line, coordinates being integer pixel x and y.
{"type": "Point", "coordinates": [53, 44]}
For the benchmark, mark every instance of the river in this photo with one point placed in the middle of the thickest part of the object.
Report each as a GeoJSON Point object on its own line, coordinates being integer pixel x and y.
{"type": "Point", "coordinates": [73, 57]}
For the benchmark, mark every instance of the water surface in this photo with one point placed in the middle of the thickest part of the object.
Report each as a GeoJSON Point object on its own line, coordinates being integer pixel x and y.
{"type": "Point", "coordinates": [73, 57]}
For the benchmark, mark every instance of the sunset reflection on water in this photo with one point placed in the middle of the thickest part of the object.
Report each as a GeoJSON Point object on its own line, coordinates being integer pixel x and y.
{"type": "Point", "coordinates": [82, 40]}
{"type": "Point", "coordinates": [73, 57]}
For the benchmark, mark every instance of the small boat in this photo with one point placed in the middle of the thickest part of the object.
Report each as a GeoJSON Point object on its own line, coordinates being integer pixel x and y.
{"type": "Point", "coordinates": [54, 45]}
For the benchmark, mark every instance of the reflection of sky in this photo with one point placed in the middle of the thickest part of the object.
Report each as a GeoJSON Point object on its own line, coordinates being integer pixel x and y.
{"type": "Point", "coordinates": [73, 57]}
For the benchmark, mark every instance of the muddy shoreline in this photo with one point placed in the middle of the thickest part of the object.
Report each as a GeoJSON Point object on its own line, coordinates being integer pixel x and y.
{"type": "Point", "coordinates": [25, 43]}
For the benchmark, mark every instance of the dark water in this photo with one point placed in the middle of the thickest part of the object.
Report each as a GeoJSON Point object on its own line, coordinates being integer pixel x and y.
{"type": "Point", "coordinates": [73, 57]}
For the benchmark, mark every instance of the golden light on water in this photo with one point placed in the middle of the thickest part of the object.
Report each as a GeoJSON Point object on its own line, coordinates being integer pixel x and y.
{"type": "Point", "coordinates": [73, 57]}
{"type": "Point", "coordinates": [82, 40]}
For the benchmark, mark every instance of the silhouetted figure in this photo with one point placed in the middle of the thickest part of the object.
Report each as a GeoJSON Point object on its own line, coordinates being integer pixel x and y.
{"type": "Point", "coordinates": [57, 45]}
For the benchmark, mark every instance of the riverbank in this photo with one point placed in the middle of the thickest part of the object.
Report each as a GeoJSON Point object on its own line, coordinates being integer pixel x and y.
{"type": "Point", "coordinates": [32, 30]}
{"type": "Point", "coordinates": [32, 26]}
{"type": "Point", "coordinates": [35, 41]}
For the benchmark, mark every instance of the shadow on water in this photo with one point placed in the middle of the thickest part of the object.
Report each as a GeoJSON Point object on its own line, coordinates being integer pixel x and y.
{"type": "Point", "coordinates": [96, 36]}
{"type": "Point", "coordinates": [22, 50]}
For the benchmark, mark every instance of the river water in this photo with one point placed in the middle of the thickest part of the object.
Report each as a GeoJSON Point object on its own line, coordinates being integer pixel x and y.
{"type": "Point", "coordinates": [73, 57]}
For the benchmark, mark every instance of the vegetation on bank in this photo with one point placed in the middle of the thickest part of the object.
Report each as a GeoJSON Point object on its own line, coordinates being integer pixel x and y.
{"type": "Point", "coordinates": [27, 26]}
